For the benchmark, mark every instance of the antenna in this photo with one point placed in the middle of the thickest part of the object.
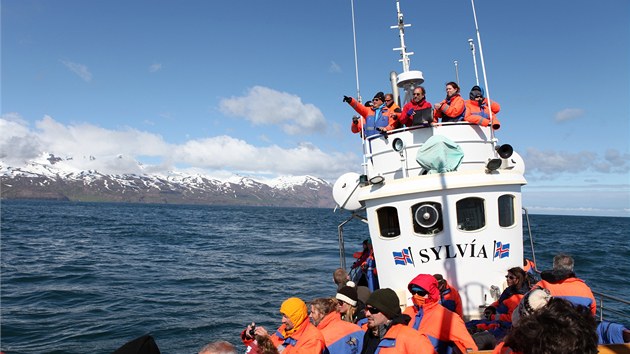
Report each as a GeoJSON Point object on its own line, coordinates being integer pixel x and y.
{"type": "Point", "coordinates": [404, 55]}
{"type": "Point", "coordinates": [483, 68]}
{"type": "Point", "coordinates": [408, 79]}
{"type": "Point", "coordinates": [472, 49]}
{"type": "Point", "coordinates": [356, 62]}
{"type": "Point", "coordinates": [456, 71]}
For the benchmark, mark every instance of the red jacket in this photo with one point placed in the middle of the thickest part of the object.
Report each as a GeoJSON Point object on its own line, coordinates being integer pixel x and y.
{"type": "Point", "coordinates": [401, 339]}
{"type": "Point", "coordinates": [439, 324]}
{"type": "Point", "coordinates": [572, 289]}
{"type": "Point", "coordinates": [306, 340]}
{"type": "Point", "coordinates": [341, 337]}
{"type": "Point", "coordinates": [481, 114]}
{"type": "Point", "coordinates": [452, 109]}
{"type": "Point", "coordinates": [451, 300]}
{"type": "Point", "coordinates": [410, 107]}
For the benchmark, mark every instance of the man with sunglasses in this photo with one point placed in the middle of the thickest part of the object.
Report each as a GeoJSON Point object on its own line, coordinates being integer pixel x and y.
{"type": "Point", "coordinates": [374, 119]}
{"type": "Point", "coordinates": [444, 328]}
{"type": "Point", "coordinates": [416, 106]}
{"type": "Point", "coordinates": [387, 331]}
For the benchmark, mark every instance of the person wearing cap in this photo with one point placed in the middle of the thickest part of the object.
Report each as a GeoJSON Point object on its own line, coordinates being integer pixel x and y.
{"type": "Point", "coordinates": [387, 332]}
{"type": "Point", "coordinates": [296, 335]}
{"type": "Point", "coordinates": [449, 296]}
{"type": "Point", "coordinates": [478, 111]}
{"type": "Point", "coordinates": [352, 310]}
{"type": "Point", "coordinates": [341, 337]}
{"type": "Point", "coordinates": [562, 282]}
{"type": "Point", "coordinates": [418, 103]}
{"type": "Point", "coordinates": [452, 108]}
{"type": "Point", "coordinates": [445, 329]}
{"type": "Point", "coordinates": [373, 120]}
{"type": "Point", "coordinates": [391, 111]}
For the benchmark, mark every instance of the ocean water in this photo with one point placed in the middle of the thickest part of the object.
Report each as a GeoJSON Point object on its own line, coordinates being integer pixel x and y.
{"type": "Point", "coordinates": [88, 277]}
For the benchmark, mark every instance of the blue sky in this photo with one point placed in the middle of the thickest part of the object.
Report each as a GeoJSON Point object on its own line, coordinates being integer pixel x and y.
{"type": "Point", "coordinates": [255, 88]}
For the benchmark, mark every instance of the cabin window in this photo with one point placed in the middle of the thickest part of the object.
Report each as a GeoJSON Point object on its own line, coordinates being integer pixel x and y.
{"type": "Point", "coordinates": [427, 218]}
{"type": "Point", "coordinates": [388, 221]}
{"type": "Point", "coordinates": [506, 210]}
{"type": "Point", "coordinates": [471, 214]}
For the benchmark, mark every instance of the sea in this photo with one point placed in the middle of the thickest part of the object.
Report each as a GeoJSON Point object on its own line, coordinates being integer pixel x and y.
{"type": "Point", "coordinates": [88, 277]}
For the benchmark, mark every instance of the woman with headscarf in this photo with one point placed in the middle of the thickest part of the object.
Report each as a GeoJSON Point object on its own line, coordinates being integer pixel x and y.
{"type": "Point", "coordinates": [296, 335]}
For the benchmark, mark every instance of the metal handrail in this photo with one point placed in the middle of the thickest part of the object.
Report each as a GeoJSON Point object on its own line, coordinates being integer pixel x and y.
{"type": "Point", "coordinates": [601, 305]}
{"type": "Point", "coordinates": [531, 239]}
{"type": "Point", "coordinates": [342, 248]}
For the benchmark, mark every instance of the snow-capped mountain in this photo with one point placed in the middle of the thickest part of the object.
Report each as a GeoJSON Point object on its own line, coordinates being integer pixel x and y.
{"type": "Point", "coordinates": [51, 178]}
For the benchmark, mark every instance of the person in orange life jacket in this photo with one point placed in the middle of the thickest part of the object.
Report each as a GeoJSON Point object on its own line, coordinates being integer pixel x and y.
{"type": "Point", "coordinates": [352, 310]}
{"type": "Point", "coordinates": [518, 286]}
{"type": "Point", "coordinates": [445, 329]}
{"type": "Point", "coordinates": [341, 337]}
{"type": "Point", "coordinates": [373, 119]}
{"type": "Point", "coordinates": [296, 335]}
{"type": "Point", "coordinates": [452, 108]}
{"type": "Point", "coordinates": [391, 112]}
{"type": "Point", "coordinates": [529, 266]}
{"type": "Point", "coordinates": [562, 282]}
{"type": "Point", "coordinates": [556, 328]}
{"type": "Point", "coordinates": [477, 111]}
{"type": "Point", "coordinates": [387, 332]}
{"type": "Point", "coordinates": [449, 296]}
{"type": "Point", "coordinates": [417, 103]}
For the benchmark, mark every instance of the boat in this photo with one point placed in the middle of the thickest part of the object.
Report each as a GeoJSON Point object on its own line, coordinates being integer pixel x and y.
{"type": "Point", "coordinates": [444, 198]}
{"type": "Point", "coordinates": [455, 216]}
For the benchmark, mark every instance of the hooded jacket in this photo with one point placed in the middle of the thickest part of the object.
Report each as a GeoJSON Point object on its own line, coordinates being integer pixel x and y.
{"type": "Point", "coordinates": [449, 298]}
{"type": "Point", "coordinates": [444, 328]}
{"type": "Point", "coordinates": [566, 285]}
{"type": "Point", "coordinates": [480, 114]}
{"type": "Point", "coordinates": [341, 337]}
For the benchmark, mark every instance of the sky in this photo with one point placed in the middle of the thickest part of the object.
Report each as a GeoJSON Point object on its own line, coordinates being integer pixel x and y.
{"type": "Point", "coordinates": [255, 88]}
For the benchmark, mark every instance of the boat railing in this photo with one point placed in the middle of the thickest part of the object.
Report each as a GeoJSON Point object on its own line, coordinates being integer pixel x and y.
{"type": "Point", "coordinates": [601, 296]}
{"type": "Point", "coordinates": [342, 248]}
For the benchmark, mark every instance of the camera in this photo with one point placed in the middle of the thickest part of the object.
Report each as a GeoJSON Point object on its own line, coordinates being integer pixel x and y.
{"type": "Point", "coordinates": [252, 331]}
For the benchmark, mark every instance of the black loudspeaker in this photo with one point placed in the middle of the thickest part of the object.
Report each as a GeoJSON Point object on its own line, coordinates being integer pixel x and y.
{"type": "Point", "coordinates": [505, 151]}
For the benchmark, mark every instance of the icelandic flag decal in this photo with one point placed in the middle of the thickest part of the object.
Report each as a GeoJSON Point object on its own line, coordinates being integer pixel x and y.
{"type": "Point", "coordinates": [403, 257]}
{"type": "Point", "coordinates": [501, 250]}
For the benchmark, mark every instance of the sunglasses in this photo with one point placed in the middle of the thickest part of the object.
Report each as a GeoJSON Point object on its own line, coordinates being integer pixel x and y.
{"type": "Point", "coordinates": [373, 310]}
{"type": "Point", "coordinates": [419, 292]}
{"type": "Point", "coordinates": [376, 99]}
{"type": "Point", "coordinates": [511, 277]}
{"type": "Point", "coordinates": [417, 94]}
{"type": "Point", "coordinates": [388, 100]}
{"type": "Point", "coordinates": [340, 302]}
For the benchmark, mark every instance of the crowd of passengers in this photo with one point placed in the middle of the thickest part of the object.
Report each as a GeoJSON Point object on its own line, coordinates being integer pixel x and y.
{"type": "Point", "coordinates": [382, 114]}
{"type": "Point", "coordinates": [554, 314]}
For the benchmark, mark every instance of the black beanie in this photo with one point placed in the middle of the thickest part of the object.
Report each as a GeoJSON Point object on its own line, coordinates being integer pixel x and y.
{"type": "Point", "coordinates": [348, 294]}
{"type": "Point", "coordinates": [476, 91]}
{"type": "Point", "coordinates": [380, 96]}
{"type": "Point", "coordinates": [386, 301]}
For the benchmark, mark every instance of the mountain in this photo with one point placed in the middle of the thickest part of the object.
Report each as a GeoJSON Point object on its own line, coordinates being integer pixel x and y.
{"type": "Point", "coordinates": [50, 178]}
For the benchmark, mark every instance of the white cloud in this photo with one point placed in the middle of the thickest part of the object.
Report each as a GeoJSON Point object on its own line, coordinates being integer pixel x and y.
{"type": "Point", "coordinates": [568, 114]}
{"type": "Point", "coordinates": [334, 67]}
{"type": "Point", "coordinates": [117, 151]}
{"type": "Point", "coordinates": [262, 105]}
{"type": "Point", "coordinates": [552, 163]}
{"type": "Point", "coordinates": [79, 69]}
{"type": "Point", "coordinates": [155, 67]}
